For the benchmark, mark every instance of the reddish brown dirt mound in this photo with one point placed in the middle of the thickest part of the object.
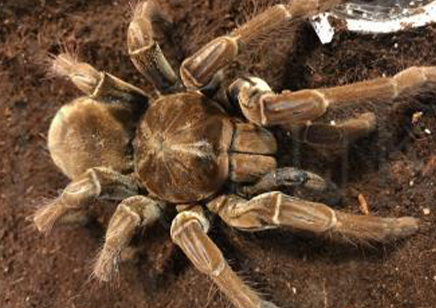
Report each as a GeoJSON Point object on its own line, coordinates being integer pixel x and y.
{"type": "Point", "coordinates": [394, 169]}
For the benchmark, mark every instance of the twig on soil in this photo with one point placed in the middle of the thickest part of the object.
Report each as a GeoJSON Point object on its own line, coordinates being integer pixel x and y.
{"type": "Point", "coordinates": [430, 166]}
{"type": "Point", "coordinates": [363, 204]}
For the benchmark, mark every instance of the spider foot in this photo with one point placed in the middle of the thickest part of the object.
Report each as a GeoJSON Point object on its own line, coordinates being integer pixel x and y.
{"type": "Point", "coordinates": [83, 75]}
{"type": "Point", "coordinates": [74, 196]}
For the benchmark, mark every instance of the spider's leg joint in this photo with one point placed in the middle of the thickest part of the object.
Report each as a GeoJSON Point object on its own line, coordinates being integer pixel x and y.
{"type": "Point", "coordinates": [198, 70]}
{"type": "Point", "coordinates": [262, 106]}
{"type": "Point", "coordinates": [83, 75]}
{"type": "Point", "coordinates": [145, 51]}
{"type": "Point", "coordinates": [188, 232]}
{"type": "Point", "coordinates": [191, 226]}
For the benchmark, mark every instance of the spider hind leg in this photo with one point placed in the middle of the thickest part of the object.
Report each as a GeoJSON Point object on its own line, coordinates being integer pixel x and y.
{"type": "Point", "coordinates": [131, 213]}
{"type": "Point", "coordinates": [275, 209]}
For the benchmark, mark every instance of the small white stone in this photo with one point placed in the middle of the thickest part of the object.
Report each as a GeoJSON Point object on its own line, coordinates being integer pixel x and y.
{"type": "Point", "coordinates": [294, 290]}
{"type": "Point", "coordinates": [323, 28]}
{"type": "Point", "coordinates": [427, 131]}
{"type": "Point", "coordinates": [426, 211]}
{"type": "Point", "coordinates": [332, 122]}
{"type": "Point", "coordinates": [411, 183]}
{"type": "Point", "coordinates": [396, 45]}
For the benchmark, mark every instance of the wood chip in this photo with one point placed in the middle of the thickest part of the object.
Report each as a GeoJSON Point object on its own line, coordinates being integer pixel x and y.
{"type": "Point", "coordinates": [416, 117]}
{"type": "Point", "coordinates": [429, 167]}
{"type": "Point", "coordinates": [363, 205]}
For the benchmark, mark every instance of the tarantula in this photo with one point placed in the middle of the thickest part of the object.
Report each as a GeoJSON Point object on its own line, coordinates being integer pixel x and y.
{"type": "Point", "coordinates": [182, 148]}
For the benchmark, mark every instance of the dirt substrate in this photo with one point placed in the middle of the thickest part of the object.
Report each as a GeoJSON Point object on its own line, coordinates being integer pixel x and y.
{"type": "Point", "coordinates": [394, 169]}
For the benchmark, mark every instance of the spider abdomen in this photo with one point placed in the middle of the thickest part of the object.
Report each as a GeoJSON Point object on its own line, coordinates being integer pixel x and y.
{"type": "Point", "coordinates": [87, 133]}
{"type": "Point", "coordinates": [182, 147]}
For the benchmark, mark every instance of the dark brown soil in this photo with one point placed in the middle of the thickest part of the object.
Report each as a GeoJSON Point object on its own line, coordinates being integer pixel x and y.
{"type": "Point", "coordinates": [394, 168]}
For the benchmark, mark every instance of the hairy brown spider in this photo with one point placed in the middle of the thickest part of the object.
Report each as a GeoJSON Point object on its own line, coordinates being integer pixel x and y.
{"type": "Point", "coordinates": [182, 148]}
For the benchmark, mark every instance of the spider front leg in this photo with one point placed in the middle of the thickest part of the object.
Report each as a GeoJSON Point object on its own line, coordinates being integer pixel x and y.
{"type": "Point", "coordinates": [275, 209]}
{"type": "Point", "coordinates": [95, 183]}
{"type": "Point", "coordinates": [145, 51]}
{"type": "Point", "coordinates": [199, 70]}
{"type": "Point", "coordinates": [131, 214]}
{"type": "Point", "coordinates": [97, 85]}
{"type": "Point", "coordinates": [189, 231]}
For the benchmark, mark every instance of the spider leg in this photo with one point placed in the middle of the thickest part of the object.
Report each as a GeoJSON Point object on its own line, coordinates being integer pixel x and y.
{"type": "Point", "coordinates": [131, 213]}
{"type": "Point", "coordinates": [145, 52]}
{"type": "Point", "coordinates": [289, 177]}
{"type": "Point", "coordinates": [262, 106]}
{"type": "Point", "coordinates": [95, 183]}
{"type": "Point", "coordinates": [199, 69]}
{"type": "Point", "coordinates": [98, 85]}
{"type": "Point", "coordinates": [275, 209]}
{"type": "Point", "coordinates": [335, 136]}
{"type": "Point", "coordinates": [189, 231]}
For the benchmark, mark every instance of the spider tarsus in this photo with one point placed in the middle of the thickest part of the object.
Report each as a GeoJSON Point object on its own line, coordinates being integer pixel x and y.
{"type": "Point", "coordinates": [372, 228]}
{"type": "Point", "coordinates": [145, 9]}
{"type": "Point", "coordinates": [106, 265]}
{"type": "Point", "coordinates": [46, 217]}
{"type": "Point", "coordinates": [83, 75]}
{"type": "Point", "coordinates": [62, 64]}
